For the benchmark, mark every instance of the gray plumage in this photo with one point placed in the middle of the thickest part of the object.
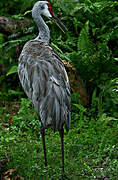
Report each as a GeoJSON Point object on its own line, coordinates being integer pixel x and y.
{"type": "Point", "coordinates": [43, 76]}
{"type": "Point", "coordinates": [45, 81]}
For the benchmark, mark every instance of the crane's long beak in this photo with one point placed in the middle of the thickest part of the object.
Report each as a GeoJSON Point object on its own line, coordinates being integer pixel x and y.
{"type": "Point", "coordinates": [58, 22]}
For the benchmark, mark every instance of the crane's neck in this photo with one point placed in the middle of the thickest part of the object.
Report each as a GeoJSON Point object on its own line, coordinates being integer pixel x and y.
{"type": "Point", "coordinates": [44, 32]}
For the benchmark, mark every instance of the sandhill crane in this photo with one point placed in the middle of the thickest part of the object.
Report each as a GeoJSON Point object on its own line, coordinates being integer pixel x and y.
{"type": "Point", "coordinates": [44, 78]}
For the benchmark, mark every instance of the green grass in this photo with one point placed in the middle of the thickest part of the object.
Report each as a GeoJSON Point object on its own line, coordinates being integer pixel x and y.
{"type": "Point", "coordinates": [91, 146]}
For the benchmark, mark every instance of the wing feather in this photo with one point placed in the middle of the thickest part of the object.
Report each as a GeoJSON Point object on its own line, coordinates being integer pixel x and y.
{"type": "Point", "coordinates": [45, 81]}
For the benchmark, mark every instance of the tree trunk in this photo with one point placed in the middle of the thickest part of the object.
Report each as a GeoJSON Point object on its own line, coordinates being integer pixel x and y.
{"type": "Point", "coordinates": [10, 26]}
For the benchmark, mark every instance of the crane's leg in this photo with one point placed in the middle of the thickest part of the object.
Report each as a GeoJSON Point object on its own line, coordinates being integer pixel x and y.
{"type": "Point", "coordinates": [44, 147]}
{"type": "Point", "coordinates": [61, 131]}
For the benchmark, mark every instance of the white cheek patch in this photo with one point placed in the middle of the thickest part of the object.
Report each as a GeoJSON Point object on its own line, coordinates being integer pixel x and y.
{"type": "Point", "coordinates": [46, 11]}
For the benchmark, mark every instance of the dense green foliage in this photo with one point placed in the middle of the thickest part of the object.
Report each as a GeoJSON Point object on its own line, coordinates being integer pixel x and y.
{"type": "Point", "coordinates": [91, 45]}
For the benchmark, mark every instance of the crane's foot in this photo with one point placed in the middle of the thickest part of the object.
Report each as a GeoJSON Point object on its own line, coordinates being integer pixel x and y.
{"type": "Point", "coordinates": [64, 177]}
{"type": "Point", "coordinates": [44, 147]}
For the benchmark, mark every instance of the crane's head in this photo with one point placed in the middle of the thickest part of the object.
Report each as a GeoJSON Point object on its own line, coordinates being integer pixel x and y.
{"type": "Point", "coordinates": [44, 8]}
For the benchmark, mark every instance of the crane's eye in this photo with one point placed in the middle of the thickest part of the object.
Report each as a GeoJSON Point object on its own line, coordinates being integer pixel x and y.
{"type": "Point", "coordinates": [42, 7]}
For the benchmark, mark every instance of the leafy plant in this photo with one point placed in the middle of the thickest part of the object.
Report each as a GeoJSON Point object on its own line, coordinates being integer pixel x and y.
{"type": "Point", "coordinates": [91, 45]}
